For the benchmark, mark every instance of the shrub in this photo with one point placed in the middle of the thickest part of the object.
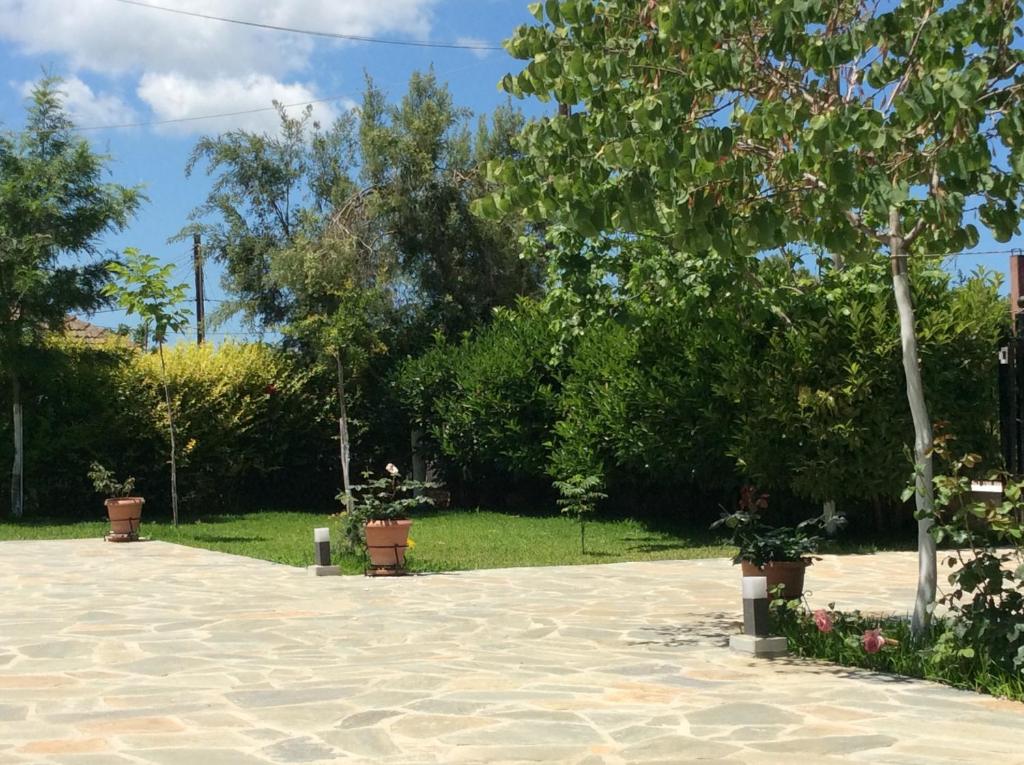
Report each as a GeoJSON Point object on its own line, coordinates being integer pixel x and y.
{"type": "Point", "coordinates": [251, 424]}
{"type": "Point", "coordinates": [488, 403]}
{"type": "Point", "coordinates": [254, 427]}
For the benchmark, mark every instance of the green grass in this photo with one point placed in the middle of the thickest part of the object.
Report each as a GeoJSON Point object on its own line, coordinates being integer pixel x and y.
{"type": "Point", "coordinates": [444, 540]}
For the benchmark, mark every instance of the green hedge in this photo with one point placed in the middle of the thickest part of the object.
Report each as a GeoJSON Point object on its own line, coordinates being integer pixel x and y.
{"type": "Point", "coordinates": [254, 428]}
{"type": "Point", "coordinates": [794, 382]}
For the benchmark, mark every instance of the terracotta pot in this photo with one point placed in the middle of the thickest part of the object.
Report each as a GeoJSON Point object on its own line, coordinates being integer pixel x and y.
{"type": "Point", "coordinates": [788, 573]}
{"type": "Point", "coordinates": [125, 514]}
{"type": "Point", "coordinates": [386, 542]}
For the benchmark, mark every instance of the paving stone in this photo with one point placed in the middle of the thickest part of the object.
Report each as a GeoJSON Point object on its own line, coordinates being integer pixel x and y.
{"type": "Point", "coordinates": [196, 756]}
{"type": "Point", "coordinates": [844, 745]}
{"type": "Point", "coordinates": [12, 712]}
{"type": "Point", "coordinates": [300, 750]}
{"type": "Point", "coordinates": [231, 661]}
{"type": "Point", "coordinates": [682, 748]}
{"type": "Point", "coordinates": [743, 713]}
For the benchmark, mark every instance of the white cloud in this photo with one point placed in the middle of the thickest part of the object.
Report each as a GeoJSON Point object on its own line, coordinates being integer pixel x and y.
{"type": "Point", "coordinates": [112, 37]}
{"type": "Point", "coordinates": [476, 41]}
{"type": "Point", "coordinates": [186, 67]}
{"type": "Point", "coordinates": [177, 96]}
{"type": "Point", "coordinates": [87, 107]}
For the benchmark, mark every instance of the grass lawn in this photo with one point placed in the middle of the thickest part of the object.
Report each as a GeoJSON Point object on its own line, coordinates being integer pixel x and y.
{"type": "Point", "coordinates": [444, 540]}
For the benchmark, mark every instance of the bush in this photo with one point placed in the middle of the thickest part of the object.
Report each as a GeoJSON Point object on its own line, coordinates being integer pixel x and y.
{"type": "Point", "coordinates": [253, 428]}
{"type": "Point", "coordinates": [488, 403]}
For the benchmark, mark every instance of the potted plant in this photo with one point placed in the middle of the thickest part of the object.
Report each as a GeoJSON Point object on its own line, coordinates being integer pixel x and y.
{"type": "Point", "coordinates": [379, 518]}
{"type": "Point", "coordinates": [779, 553]}
{"type": "Point", "coordinates": [124, 510]}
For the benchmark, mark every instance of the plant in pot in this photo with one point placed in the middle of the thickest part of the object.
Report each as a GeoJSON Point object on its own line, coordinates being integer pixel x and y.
{"type": "Point", "coordinates": [124, 510]}
{"type": "Point", "coordinates": [379, 518]}
{"type": "Point", "coordinates": [779, 553]}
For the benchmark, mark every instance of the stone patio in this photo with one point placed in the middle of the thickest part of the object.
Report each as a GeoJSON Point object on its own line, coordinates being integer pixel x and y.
{"type": "Point", "coordinates": [155, 653]}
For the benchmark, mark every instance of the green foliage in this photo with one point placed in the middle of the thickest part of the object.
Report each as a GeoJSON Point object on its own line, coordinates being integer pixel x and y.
{"type": "Point", "coordinates": [796, 122]}
{"type": "Point", "coordinates": [254, 423]}
{"type": "Point", "coordinates": [579, 498]}
{"type": "Point", "coordinates": [985, 601]}
{"type": "Point", "coordinates": [937, 654]}
{"type": "Point", "coordinates": [54, 209]}
{"type": "Point", "coordinates": [760, 542]}
{"type": "Point", "coordinates": [387, 498]}
{"type": "Point", "coordinates": [251, 420]}
{"type": "Point", "coordinates": [423, 163]}
{"type": "Point", "coordinates": [488, 403]}
{"type": "Point", "coordinates": [142, 288]}
{"type": "Point", "coordinates": [106, 483]}
{"type": "Point", "coordinates": [53, 203]}
{"type": "Point", "coordinates": [820, 396]}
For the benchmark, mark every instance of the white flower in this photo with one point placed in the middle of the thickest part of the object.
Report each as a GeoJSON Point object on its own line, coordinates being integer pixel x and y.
{"type": "Point", "coordinates": [391, 470]}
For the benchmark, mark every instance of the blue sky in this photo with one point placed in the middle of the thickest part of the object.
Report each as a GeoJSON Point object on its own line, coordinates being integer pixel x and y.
{"type": "Point", "coordinates": [125, 64]}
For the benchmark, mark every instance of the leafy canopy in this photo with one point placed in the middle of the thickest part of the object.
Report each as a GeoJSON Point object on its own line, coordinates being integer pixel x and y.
{"type": "Point", "coordinates": [739, 127]}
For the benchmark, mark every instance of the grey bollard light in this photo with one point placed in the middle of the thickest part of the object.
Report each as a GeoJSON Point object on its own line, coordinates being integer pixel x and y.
{"type": "Point", "coordinates": [755, 606]}
{"type": "Point", "coordinates": [756, 639]}
{"type": "Point", "coordinates": [322, 546]}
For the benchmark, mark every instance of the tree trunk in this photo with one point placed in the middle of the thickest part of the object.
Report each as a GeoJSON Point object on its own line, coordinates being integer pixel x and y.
{"type": "Point", "coordinates": [924, 498]}
{"type": "Point", "coordinates": [18, 468]}
{"type": "Point", "coordinates": [343, 433]}
{"type": "Point", "coordinates": [170, 423]}
{"type": "Point", "coordinates": [830, 517]}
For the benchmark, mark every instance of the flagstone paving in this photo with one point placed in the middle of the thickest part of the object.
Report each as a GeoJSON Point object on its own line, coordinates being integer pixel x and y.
{"type": "Point", "coordinates": [153, 653]}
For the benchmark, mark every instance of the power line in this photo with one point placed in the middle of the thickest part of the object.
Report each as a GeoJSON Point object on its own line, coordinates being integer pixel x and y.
{"type": "Point", "coordinates": [203, 116]}
{"type": "Point", "coordinates": [316, 33]}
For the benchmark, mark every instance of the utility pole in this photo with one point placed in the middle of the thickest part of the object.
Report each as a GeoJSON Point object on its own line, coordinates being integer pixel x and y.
{"type": "Point", "coordinates": [197, 257]}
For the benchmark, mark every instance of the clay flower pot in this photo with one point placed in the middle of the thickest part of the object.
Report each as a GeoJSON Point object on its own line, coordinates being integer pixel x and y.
{"type": "Point", "coordinates": [386, 542]}
{"type": "Point", "coordinates": [125, 514]}
{"type": "Point", "coordinates": [788, 573]}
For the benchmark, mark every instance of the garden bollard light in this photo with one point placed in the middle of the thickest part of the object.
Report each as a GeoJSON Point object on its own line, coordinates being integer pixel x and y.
{"type": "Point", "coordinates": [755, 606]}
{"type": "Point", "coordinates": [755, 639]}
{"type": "Point", "coordinates": [322, 546]}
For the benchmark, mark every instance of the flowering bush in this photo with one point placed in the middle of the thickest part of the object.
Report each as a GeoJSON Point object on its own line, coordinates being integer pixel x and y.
{"type": "Point", "coordinates": [760, 542]}
{"type": "Point", "coordinates": [387, 498]}
{"type": "Point", "coordinates": [886, 644]}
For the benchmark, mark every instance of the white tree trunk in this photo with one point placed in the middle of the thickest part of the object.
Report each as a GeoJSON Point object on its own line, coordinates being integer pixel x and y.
{"type": "Point", "coordinates": [18, 468]}
{"type": "Point", "coordinates": [170, 422]}
{"type": "Point", "coordinates": [830, 517]}
{"type": "Point", "coordinates": [927, 574]}
{"type": "Point", "coordinates": [343, 433]}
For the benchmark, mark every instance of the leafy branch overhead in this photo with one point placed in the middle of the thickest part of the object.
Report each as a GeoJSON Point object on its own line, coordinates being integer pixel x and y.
{"type": "Point", "coordinates": [738, 127]}
{"type": "Point", "coordinates": [143, 290]}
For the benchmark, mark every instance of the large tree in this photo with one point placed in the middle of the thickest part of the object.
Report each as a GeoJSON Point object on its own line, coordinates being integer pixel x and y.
{"type": "Point", "coordinates": [54, 210]}
{"type": "Point", "coordinates": [729, 128]}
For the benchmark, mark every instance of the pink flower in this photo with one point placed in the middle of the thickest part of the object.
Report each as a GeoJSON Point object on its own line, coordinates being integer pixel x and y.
{"type": "Point", "coordinates": [823, 620]}
{"type": "Point", "coordinates": [873, 640]}
{"type": "Point", "coordinates": [391, 470]}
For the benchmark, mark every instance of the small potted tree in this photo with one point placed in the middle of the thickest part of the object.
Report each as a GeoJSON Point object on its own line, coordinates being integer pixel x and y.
{"type": "Point", "coordinates": [378, 520]}
{"type": "Point", "coordinates": [123, 510]}
{"type": "Point", "coordinates": [779, 553]}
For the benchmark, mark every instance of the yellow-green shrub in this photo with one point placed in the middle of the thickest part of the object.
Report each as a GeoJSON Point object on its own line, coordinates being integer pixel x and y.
{"type": "Point", "coordinates": [250, 424]}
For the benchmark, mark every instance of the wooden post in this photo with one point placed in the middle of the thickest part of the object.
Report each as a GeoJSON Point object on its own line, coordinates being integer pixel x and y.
{"type": "Point", "coordinates": [197, 258]}
{"type": "Point", "coordinates": [1016, 285]}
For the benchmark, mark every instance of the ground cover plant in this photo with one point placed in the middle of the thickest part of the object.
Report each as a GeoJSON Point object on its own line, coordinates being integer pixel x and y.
{"type": "Point", "coordinates": [977, 639]}
{"type": "Point", "coordinates": [887, 644]}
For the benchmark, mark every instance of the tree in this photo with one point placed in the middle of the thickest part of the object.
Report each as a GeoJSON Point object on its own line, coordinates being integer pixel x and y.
{"type": "Point", "coordinates": [422, 166]}
{"type": "Point", "coordinates": [728, 129]}
{"type": "Point", "coordinates": [142, 289]}
{"type": "Point", "coordinates": [54, 210]}
{"type": "Point", "coordinates": [398, 180]}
